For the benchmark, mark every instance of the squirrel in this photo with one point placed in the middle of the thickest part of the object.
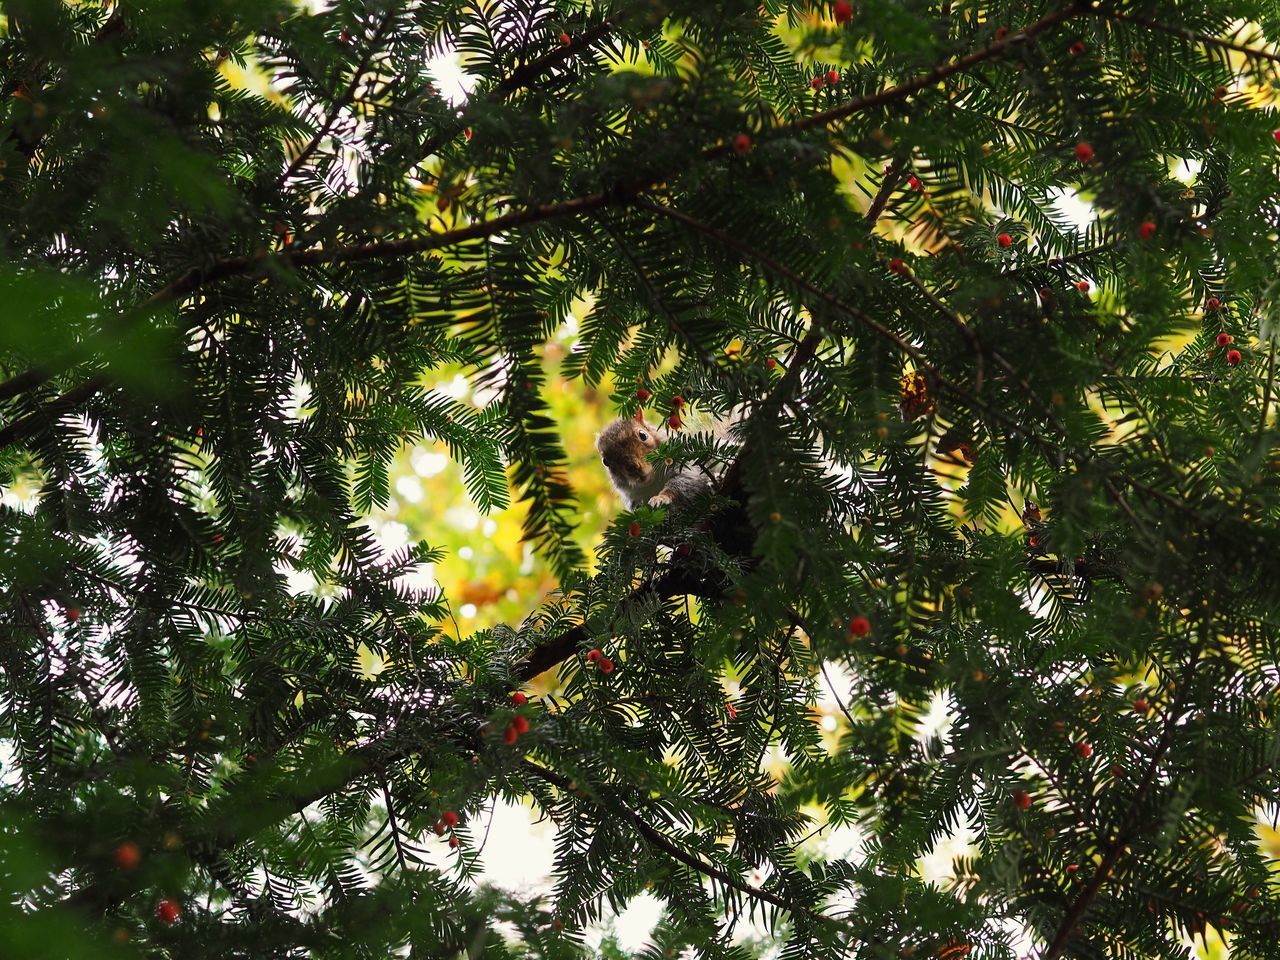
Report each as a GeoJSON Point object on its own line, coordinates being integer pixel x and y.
{"type": "Point", "coordinates": [624, 446]}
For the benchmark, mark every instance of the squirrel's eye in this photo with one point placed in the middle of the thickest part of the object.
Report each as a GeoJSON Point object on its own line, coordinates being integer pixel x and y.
{"type": "Point", "coordinates": [644, 437]}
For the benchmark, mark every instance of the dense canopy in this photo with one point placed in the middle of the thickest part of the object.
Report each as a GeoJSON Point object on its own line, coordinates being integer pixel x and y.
{"type": "Point", "coordinates": [993, 552]}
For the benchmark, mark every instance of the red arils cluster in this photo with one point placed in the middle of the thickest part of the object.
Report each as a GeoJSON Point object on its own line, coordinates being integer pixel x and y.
{"type": "Point", "coordinates": [833, 77]}
{"type": "Point", "coordinates": [72, 614]}
{"type": "Point", "coordinates": [606, 666]}
{"type": "Point", "coordinates": [603, 663]}
{"type": "Point", "coordinates": [1146, 230]}
{"type": "Point", "coordinates": [1140, 705]}
{"type": "Point", "coordinates": [1212, 305]}
{"type": "Point", "coordinates": [1004, 240]}
{"type": "Point", "coordinates": [1001, 33]}
{"type": "Point", "coordinates": [565, 39]}
{"type": "Point", "coordinates": [914, 183]}
{"type": "Point", "coordinates": [896, 265]}
{"type": "Point", "coordinates": [642, 395]}
{"type": "Point", "coordinates": [518, 699]}
{"type": "Point", "coordinates": [1077, 48]}
{"type": "Point", "coordinates": [741, 144]}
{"type": "Point", "coordinates": [594, 656]}
{"type": "Point", "coordinates": [674, 421]}
{"type": "Point", "coordinates": [817, 82]}
{"type": "Point", "coordinates": [168, 911]}
{"type": "Point", "coordinates": [771, 363]}
{"type": "Point", "coordinates": [634, 529]}
{"type": "Point", "coordinates": [127, 855]}
{"type": "Point", "coordinates": [1084, 152]}
{"type": "Point", "coordinates": [1083, 286]}
{"type": "Point", "coordinates": [1083, 749]}
{"type": "Point", "coordinates": [677, 402]}
{"type": "Point", "coordinates": [1224, 339]}
{"type": "Point", "coordinates": [859, 626]}
{"type": "Point", "coordinates": [1233, 357]}
{"type": "Point", "coordinates": [1022, 799]}
{"type": "Point", "coordinates": [842, 11]}
{"type": "Point", "coordinates": [448, 820]}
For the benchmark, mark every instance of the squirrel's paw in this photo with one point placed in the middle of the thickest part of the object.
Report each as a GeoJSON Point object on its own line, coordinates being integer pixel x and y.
{"type": "Point", "coordinates": [660, 499]}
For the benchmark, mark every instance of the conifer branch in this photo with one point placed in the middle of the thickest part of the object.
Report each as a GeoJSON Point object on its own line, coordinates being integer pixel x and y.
{"type": "Point", "coordinates": [827, 118]}
{"type": "Point", "coordinates": [655, 838]}
{"type": "Point", "coordinates": [1187, 34]}
{"type": "Point", "coordinates": [343, 100]}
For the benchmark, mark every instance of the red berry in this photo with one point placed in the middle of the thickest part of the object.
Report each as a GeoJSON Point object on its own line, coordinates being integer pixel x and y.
{"type": "Point", "coordinates": [1212, 305]}
{"type": "Point", "coordinates": [634, 529]}
{"type": "Point", "coordinates": [467, 133]}
{"type": "Point", "coordinates": [833, 77]}
{"type": "Point", "coordinates": [509, 736]}
{"type": "Point", "coordinates": [519, 699]}
{"type": "Point", "coordinates": [1224, 339]}
{"type": "Point", "coordinates": [914, 183]}
{"type": "Point", "coordinates": [1233, 357]}
{"type": "Point", "coordinates": [842, 11]}
{"type": "Point", "coordinates": [859, 626]}
{"type": "Point", "coordinates": [677, 401]}
{"type": "Point", "coordinates": [127, 855]}
{"type": "Point", "coordinates": [1275, 135]}
{"type": "Point", "coordinates": [1001, 33]}
{"type": "Point", "coordinates": [565, 39]}
{"type": "Point", "coordinates": [606, 666]}
{"type": "Point", "coordinates": [1146, 230]}
{"type": "Point", "coordinates": [519, 724]}
{"type": "Point", "coordinates": [1077, 48]}
{"type": "Point", "coordinates": [439, 828]}
{"type": "Point", "coordinates": [1072, 867]}
{"type": "Point", "coordinates": [683, 550]}
{"type": "Point", "coordinates": [594, 656]}
{"type": "Point", "coordinates": [1140, 705]}
{"type": "Point", "coordinates": [1045, 293]}
{"type": "Point", "coordinates": [674, 420]}
{"type": "Point", "coordinates": [771, 363]}
{"type": "Point", "coordinates": [1084, 152]}
{"type": "Point", "coordinates": [816, 83]}
{"type": "Point", "coordinates": [897, 266]}
{"type": "Point", "coordinates": [1004, 240]}
{"type": "Point", "coordinates": [168, 911]}
{"type": "Point", "coordinates": [741, 144]}
{"type": "Point", "coordinates": [1083, 749]}
{"type": "Point", "coordinates": [1022, 799]}
{"type": "Point", "coordinates": [642, 395]}
{"type": "Point", "coordinates": [449, 818]}
{"type": "Point", "coordinates": [72, 614]}
{"type": "Point", "coordinates": [1083, 286]}
{"type": "Point", "coordinates": [453, 841]}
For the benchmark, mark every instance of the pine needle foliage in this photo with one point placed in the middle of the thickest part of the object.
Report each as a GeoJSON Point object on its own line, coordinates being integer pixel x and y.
{"type": "Point", "coordinates": [992, 462]}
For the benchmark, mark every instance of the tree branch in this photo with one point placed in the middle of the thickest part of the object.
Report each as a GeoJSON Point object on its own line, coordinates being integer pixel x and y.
{"type": "Point", "coordinates": [656, 838]}
{"type": "Point", "coordinates": [1186, 34]}
{"type": "Point", "coordinates": [343, 101]}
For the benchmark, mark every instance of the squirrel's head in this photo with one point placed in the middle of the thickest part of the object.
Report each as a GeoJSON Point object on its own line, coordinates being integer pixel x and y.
{"type": "Point", "coordinates": [624, 445]}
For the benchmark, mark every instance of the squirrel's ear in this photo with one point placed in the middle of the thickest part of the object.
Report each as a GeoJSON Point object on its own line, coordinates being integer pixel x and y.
{"type": "Point", "coordinates": [640, 416]}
